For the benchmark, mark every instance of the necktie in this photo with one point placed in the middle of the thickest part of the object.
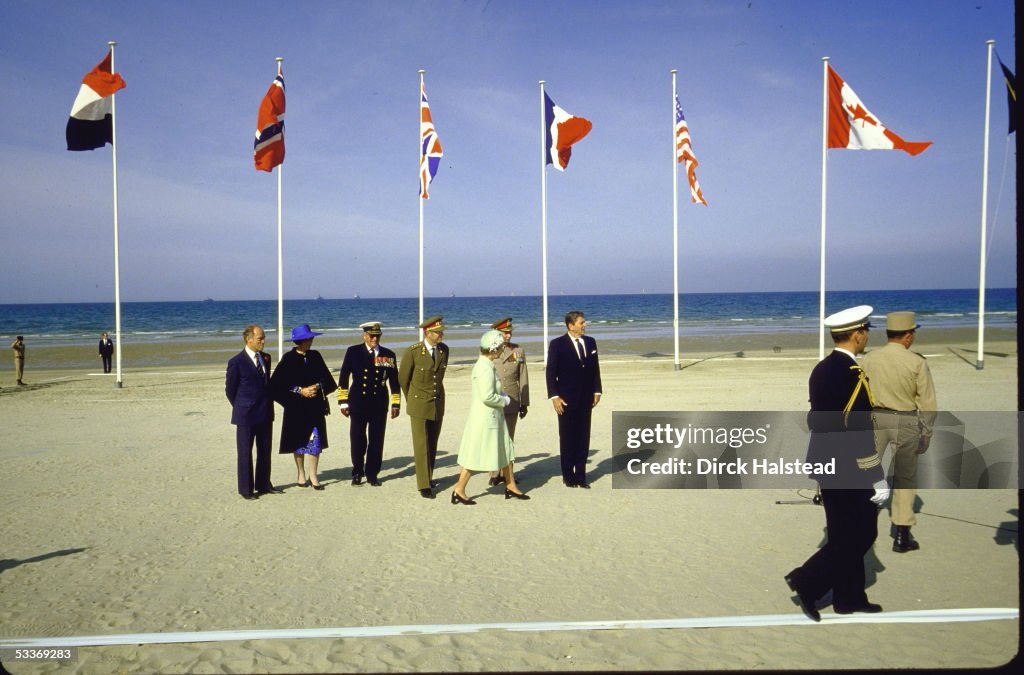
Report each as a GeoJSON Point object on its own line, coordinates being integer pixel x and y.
{"type": "Point", "coordinates": [432, 358]}
{"type": "Point", "coordinates": [579, 348]}
{"type": "Point", "coordinates": [259, 364]}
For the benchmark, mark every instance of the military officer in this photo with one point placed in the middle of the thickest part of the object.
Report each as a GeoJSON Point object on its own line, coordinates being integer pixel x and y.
{"type": "Point", "coordinates": [374, 373]}
{"type": "Point", "coordinates": [515, 382]}
{"type": "Point", "coordinates": [421, 377]}
{"type": "Point", "coordinates": [905, 409]}
{"type": "Point", "coordinates": [841, 430]}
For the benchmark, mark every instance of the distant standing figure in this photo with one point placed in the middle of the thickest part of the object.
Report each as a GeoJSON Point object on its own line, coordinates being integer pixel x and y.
{"type": "Point", "coordinates": [510, 365]}
{"type": "Point", "coordinates": [574, 388]}
{"type": "Point", "coordinates": [421, 377]}
{"type": "Point", "coordinates": [486, 444]}
{"type": "Point", "coordinates": [905, 409]}
{"type": "Point", "coordinates": [374, 373]}
{"type": "Point", "coordinates": [106, 352]}
{"type": "Point", "coordinates": [19, 358]}
{"type": "Point", "coordinates": [247, 385]}
{"type": "Point", "coordinates": [301, 383]}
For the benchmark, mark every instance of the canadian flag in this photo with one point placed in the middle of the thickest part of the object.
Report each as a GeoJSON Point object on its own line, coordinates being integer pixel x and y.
{"type": "Point", "coordinates": [851, 125]}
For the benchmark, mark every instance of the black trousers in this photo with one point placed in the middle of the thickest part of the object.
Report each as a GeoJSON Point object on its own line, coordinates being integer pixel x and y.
{"type": "Point", "coordinates": [366, 438]}
{"type": "Point", "coordinates": [245, 435]}
{"type": "Point", "coordinates": [106, 362]}
{"type": "Point", "coordinates": [574, 442]}
{"type": "Point", "coordinates": [851, 519]}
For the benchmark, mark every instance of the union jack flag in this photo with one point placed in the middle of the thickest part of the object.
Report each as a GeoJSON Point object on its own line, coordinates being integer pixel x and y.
{"type": "Point", "coordinates": [684, 153]}
{"type": "Point", "coordinates": [430, 146]}
{"type": "Point", "coordinates": [268, 148]}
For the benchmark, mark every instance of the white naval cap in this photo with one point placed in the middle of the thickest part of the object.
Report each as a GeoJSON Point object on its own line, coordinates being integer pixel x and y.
{"type": "Point", "coordinates": [371, 327]}
{"type": "Point", "coordinates": [849, 319]}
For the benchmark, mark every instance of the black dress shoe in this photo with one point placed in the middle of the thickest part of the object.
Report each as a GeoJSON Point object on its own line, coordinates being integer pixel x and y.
{"type": "Point", "coordinates": [456, 499]}
{"type": "Point", "coordinates": [250, 498]}
{"type": "Point", "coordinates": [306, 484]}
{"type": "Point", "coordinates": [583, 484]}
{"type": "Point", "coordinates": [865, 607]}
{"type": "Point", "coordinates": [569, 483]}
{"type": "Point", "coordinates": [319, 486]}
{"type": "Point", "coordinates": [272, 491]}
{"type": "Point", "coordinates": [357, 480]}
{"type": "Point", "coordinates": [427, 493]}
{"type": "Point", "coordinates": [375, 483]}
{"type": "Point", "coordinates": [805, 602]}
{"type": "Point", "coordinates": [495, 480]}
{"type": "Point", "coordinates": [515, 495]}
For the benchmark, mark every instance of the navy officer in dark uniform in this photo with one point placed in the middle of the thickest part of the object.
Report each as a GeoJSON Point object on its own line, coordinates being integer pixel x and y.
{"type": "Point", "coordinates": [842, 430]}
{"type": "Point", "coordinates": [374, 373]}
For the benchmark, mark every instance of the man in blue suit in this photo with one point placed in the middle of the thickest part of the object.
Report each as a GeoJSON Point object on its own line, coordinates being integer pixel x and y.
{"type": "Point", "coordinates": [574, 388]}
{"type": "Point", "coordinates": [252, 412]}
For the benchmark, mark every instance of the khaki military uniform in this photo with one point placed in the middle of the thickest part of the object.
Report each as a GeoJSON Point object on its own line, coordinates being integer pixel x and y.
{"type": "Point", "coordinates": [422, 381]}
{"type": "Point", "coordinates": [515, 382]}
{"type": "Point", "coordinates": [905, 409]}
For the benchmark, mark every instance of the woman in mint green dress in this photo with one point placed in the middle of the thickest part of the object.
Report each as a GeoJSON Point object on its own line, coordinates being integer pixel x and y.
{"type": "Point", "coordinates": [486, 445]}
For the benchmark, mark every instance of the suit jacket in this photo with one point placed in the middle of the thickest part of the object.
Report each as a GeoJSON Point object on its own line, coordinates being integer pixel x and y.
{"type": "Point", "coordinates": [574, 380]}
{"type": "Point", "coordinates": [371, 380]}
{"type": "Point", "coordinates": [248, 391]}
{"type": "Point", "coordinates": [840, 423]}
{"type": "Point", "coordinates": [422, 380]}
{"type": "Point", "coordinates": [106, 347]}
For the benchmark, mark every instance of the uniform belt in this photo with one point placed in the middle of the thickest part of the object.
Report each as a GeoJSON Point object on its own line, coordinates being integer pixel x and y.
{"type": "Point", "coordinates": [896, 412]}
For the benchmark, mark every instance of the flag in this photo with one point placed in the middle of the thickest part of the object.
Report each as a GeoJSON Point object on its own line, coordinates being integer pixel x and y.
{"type": "Point", "coordinates": [684, 153]}
{"type": "Point", "coordinates": [1011, 94]}
{"type": "Point", "coordinates": [430, 146]}
{"type": "Point", "coordinates": [90, 125]}
{"type": "Point", "coordinates": [268, 148]}
{"type": "Point", "coordinates": [852, 126]}
{"type": "Point", "coordinates": [561, 131]}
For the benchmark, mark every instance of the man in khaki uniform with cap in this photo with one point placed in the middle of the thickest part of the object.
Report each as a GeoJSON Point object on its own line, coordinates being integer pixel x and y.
{"type": "Point", "coordinates": [905, 408]}
{"type": "Point", "coordinates": [515, 382]}
{"type": "Point", "coordinates": [421, 377]}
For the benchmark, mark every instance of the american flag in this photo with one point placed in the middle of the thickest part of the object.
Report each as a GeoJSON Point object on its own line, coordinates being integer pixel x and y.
{"type": "Point", "coordinates": [684, 153]}
{"type": "Point", "coordinates": [430, 146]}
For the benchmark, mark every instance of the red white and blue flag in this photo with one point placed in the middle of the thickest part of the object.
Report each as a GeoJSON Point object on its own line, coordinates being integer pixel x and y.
{"type": "Point", "coordinates": [684, 153]}
{"type": "Point", "coordinates": [430, 146]}
{"type": "Point", "coordinates": [90, 125]}
{"type": "Point", "coordinates": [561, 131]}
{"type": "Point", "coordinates": [852, 126]}
{"type": "Point", "coordinates": [268, 148]}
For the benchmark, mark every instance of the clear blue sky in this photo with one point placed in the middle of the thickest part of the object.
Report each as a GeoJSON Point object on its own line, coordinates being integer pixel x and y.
{"type": "Point", "coordinates": [197, 220]}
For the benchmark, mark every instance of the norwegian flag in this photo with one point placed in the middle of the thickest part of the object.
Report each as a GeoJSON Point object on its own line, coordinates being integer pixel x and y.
{"type": "Point", "coordinates": [852, 126]}
{"type": "Point", "coordinates": [268, 148]}
{"type": "Point", "coordinates": [430, 146]}
{"type": "Point", "coordinates": [684, 153]}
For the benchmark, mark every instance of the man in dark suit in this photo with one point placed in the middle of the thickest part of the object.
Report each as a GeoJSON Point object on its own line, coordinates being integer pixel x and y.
{"type": "Point", "coordinates": [842, 431]}
{"type": "Point", "coordinates": [252, 412]}
{"type": "Point", "coordinates": [374, 371]}
{"type": "Point", "coordinates": [421, 377]}
{"type": "Point", "coordinates": [574, 388]}
{"type": "Point", "coordinates": [106, 351]}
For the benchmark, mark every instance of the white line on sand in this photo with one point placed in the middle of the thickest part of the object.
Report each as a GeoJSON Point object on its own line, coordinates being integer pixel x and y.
{"type": "Point", "coordinates": [919, 616]}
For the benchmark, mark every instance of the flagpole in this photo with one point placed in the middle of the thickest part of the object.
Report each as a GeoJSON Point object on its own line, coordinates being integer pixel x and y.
{"type": "Point", "coordinates": [675, 227]}
{"type": "Point", "coordinates": [543, 224]}
{"type": "Point", "coordinates": [824, 155]}
{"type": "Point", "coordinates": [980, 362]}
{"type": "Point", "coordinates": [420, 196]}
{"type": "Point", "coordinates": [280, 256]}
{"type": "Point", "coordinates": [117, 251]}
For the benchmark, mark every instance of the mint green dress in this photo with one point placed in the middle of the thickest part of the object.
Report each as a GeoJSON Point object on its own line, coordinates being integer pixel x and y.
{"type": "Point", "coordinates": [486, 445]}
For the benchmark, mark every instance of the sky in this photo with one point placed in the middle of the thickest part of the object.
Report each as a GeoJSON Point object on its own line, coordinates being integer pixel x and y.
{"type": "Point", "coordinates": [196, 220]}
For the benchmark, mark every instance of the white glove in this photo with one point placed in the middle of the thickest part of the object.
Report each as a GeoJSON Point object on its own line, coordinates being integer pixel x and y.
{"type": "Point", "coordinates": [881, 492]}
{"type": "Point", "coordinates": [506, 399]}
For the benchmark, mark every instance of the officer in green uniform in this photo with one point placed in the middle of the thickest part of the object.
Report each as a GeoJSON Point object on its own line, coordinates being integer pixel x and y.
{"type": "Point", "coordinates": [421, 377]}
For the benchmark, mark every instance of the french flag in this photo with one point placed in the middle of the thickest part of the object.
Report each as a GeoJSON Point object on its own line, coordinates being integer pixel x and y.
{"type": "Point", "coordinates": [268, 148]}
{"type": "Point", "coordinates": [561, 131]}
{"type": "Point", "coordinates": [90, 125]}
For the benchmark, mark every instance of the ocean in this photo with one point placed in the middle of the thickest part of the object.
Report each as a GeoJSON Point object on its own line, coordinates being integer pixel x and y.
{"type": "Point", "coordinates": [608, 316]}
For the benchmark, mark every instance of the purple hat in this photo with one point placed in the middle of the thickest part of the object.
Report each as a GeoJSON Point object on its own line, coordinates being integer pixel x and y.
{"type": "Point", "coordinates": [300, 333]}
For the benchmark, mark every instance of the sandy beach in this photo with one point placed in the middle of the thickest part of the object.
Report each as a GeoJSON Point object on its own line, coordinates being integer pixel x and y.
{"type": "Point", "coordinates": [121, 516]}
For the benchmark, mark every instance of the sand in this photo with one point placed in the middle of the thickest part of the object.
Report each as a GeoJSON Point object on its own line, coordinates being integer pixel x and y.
{"type": "Point", "coordinates": [121, 516]}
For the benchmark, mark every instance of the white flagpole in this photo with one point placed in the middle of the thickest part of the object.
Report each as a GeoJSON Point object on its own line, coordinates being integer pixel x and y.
{"type": "Point", "coordinates": [675, 227]}
{"type": "Point", "coordinates": [117, 253]}
{"type": "Point", "coordinates": [280, 258]}
{"type": "Point", "coordinates": [980, 362]}
{"type": "Point", "coordinates": [543, 223]}
{"type": "Point", "coordinates": [420, 196]}
{"type": "Point", "coordinates": [824, 155]}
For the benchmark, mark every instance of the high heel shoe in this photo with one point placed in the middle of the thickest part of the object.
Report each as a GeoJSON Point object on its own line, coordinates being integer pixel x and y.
{"type": "Point", "coordinates": [518, 495]}
{"type": "Point", "coordinates": [456, 499]}
{"type": "Point", "coordinates": [318, 486]}
{"type": "Point", "coordinates": [306, 484]}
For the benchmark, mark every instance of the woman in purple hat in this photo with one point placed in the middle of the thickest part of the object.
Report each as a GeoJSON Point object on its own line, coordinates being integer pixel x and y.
{"type": "Point", "coordinates": [301, 384]}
